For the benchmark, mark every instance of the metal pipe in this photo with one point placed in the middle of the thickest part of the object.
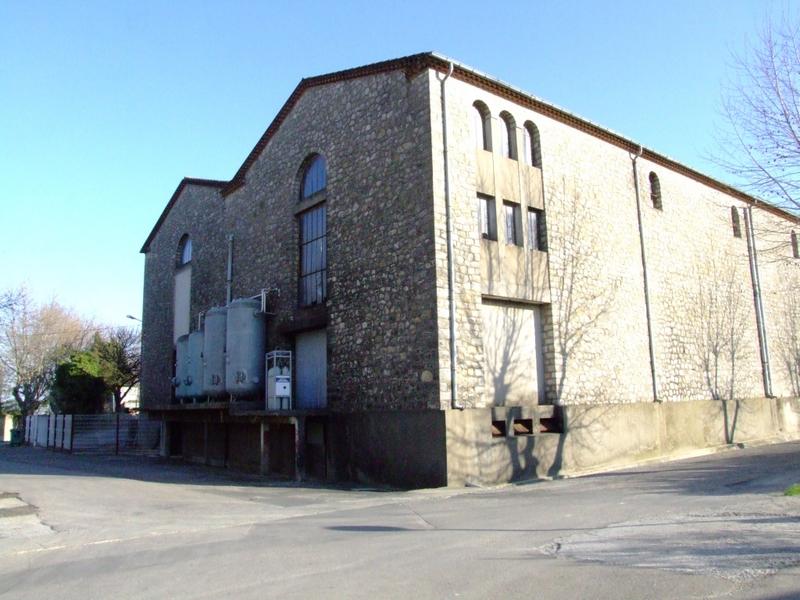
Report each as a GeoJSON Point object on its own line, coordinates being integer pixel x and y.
{"type": "Point", "coordinates": [752, 255]}
{"type": "Point", "coordinates": [229, 276]}
{"type": "Point", "coordinates": [451, 283]}
{"type": "Point", "coordinates": [634, 158]}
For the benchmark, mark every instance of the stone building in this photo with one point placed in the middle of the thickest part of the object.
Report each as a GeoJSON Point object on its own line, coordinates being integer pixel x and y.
{"type": "Point", "coordinates": [476, 286]}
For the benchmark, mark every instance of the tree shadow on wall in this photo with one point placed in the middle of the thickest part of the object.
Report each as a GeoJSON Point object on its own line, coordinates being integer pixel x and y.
{"type": "Point", "coordinates": [579, 304]}
{"type": "Point", "coordinates": [788, 340]}
{"type": "Point", "coordinates": [721, 316]}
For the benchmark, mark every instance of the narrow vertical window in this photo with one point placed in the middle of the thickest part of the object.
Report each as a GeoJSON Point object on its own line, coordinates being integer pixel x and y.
{"type": "Point", "coordinates": [487, 218]}
{"type": "Point", "coordinates": [533, 151]}
{"type": "Point", "coordinates": [482, 126]}
{"type": "Point", "coordinates": [513, 219]}
{"type": "Point", "coordinates": [312, 223]}
{"type": "Point", "coordinates": [185, 251]}
{"type": "Point", "coordinates": [182, 289]}
{"type": "Point", "coordinates": [313, 256]}
{"type": "Point", "coordinates": [508, 136]}
{"type": "Point", "coordinates": [655, 191]}
{"type": "Point", "coordinates": [536, 230]}
{"type": "Point", "coordinates": [735, 223]}
{"type": "Point", "coordinates": [795, 249]}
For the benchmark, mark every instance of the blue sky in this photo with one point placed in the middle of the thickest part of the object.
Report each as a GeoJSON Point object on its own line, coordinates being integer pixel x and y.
{"type": "Point", "coordinates": [105, 106]}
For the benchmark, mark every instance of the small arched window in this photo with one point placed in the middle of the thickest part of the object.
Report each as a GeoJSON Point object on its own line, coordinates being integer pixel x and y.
{"type": "Point", "coordinates": [182, 292]}
{"type": "Point", "coordinates": [508, 136]}
{"type": "Point", "coordinates": [482, 126]}
{"type": "Point", "coordinates": [185, 251]}
{"type": "Point", "coordinates": [795, 249]}
{"type": "Point", "coordinates": [735, 223]}
{"type": "Point", "coordinates": [315, 177]}
{"type": "Point", "coordinates": [655, 191]}
{"type": "Point", "coordinates": [533, 149]}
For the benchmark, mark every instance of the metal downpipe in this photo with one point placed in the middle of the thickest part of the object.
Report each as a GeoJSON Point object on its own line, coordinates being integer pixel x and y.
{"type": "Point", "coordinates": [755, 277]}
{"type": "Point", "coordinates": [229, 273]}
{"type": "Point", "coordinates": [634, 158]}
{"type": "Point", "coordinates": [451, 284]}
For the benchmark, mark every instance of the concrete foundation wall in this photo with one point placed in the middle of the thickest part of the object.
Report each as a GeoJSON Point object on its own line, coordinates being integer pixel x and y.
{"type": "Point", "coordinates": [475, 457]}
{"type": "Point", "coordinates": [400, 448]}
{"type": "Point", "coordinates": [193, 442]}
{"type": "Point", "coordinates": [611, 436]}
{"type": "Point", "coordinates": [244, 447]}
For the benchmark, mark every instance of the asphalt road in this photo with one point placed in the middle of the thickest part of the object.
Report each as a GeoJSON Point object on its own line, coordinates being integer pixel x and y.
{"type": "Point", "coordinates": [102, 527]}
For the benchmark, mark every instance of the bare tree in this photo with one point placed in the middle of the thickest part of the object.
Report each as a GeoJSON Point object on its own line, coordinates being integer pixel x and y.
{"type": "Point", "coordinates": [759, 142]}
{"type": "Point", "coordinates": [721, 312]}
{"type": "Point", "coordinates": [32, 339]}
{"type": "Point", "coordinates": [9, 299]}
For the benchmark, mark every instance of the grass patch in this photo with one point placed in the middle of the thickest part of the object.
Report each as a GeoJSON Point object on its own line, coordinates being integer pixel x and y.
{"type": "Point", "coordinates": [792, 490]}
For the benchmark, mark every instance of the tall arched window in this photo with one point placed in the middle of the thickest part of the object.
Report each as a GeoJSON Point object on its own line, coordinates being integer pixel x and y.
{"type": "Point", "coordinates": [795, 249]}
{"type": "Point", "coordinates": [315, 177]}
{"type": "Point", "coordinates": [482, 126]}
{"type": "Point", "coordinates": [312, 283]}
{"type": "Point", "coordinates": [508, 136]}
{"type": "Point", "coordinates": [533, 149]}
{"type": "Point", "coordinates": [185, 250]}
{"type": "Point", "coordinates": [655, 191]}
{"type": "Point", "coordinates": [182, 297]}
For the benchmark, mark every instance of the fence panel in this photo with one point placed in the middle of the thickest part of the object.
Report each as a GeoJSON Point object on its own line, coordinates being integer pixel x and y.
{"type": "Point", "coordinates": [114, 434]}
{"type": "Point", "coordinates": [102, 434]}
{"type": "Point", "coordinates": [42, 422]}
{"type": "Point", "coordinates": [139, 435]}
{"type": "Point", "coordinates": [51, 431]}
{"type": "Point", "coordinates": [94, 433]}
{"type": "Point", "coordinates": [67, 445]}
{"type": "Point", "coordinates": [58, 432]}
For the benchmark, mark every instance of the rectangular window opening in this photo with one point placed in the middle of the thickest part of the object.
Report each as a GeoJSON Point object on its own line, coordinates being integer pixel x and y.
{"type": "Point", "coordinates": [537, 232]}
{"type": "Point", "coordinates": [487, 218]}
{"type": "Point", "coordinates": [550, 425]}
{"type": "Point", "coordinates": [313, 257]}
{"type": "Point", "coordinates": [523, 426]}
{"type": "Point", "coordinates": [513, 219]}
{"type": "Point", "coordinates": [498, 429]}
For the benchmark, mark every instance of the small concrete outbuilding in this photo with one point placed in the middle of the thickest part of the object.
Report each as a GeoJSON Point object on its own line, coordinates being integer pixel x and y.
{"type": "Point", "coordinates": [448, 280]}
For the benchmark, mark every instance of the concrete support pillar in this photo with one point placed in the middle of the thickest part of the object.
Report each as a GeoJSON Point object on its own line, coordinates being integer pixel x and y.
{"type": "Point", "coordinates": [163, 448]}
{"type": "Point", "coordinates": [299, 447]}
{"type": "Point", "coordinates": [205, 443]}
{"type": "Point", "coordinates": [264, 443]}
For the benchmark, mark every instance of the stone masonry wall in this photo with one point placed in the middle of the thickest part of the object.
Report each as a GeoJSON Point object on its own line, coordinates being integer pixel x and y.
{"type": "Point", "coordinates": [596, 343]}
{"type": "Point", "coordinates": [780, 279]}
{"type": "Point", "coordinates": [198, 212]}
{"type": "Point", "coordinates": [374, 134]}
{"type": "Point", "coordinates": [387, 308]}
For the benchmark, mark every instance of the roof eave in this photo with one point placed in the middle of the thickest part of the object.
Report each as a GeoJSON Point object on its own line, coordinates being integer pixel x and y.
{"type": "Point", "coordinates": [175, 195]}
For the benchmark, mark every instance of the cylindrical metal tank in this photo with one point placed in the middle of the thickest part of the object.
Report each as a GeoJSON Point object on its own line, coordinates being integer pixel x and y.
{"type": "Point", "coordinates": [245, 343]}
{"type": "Point", "coordinates": [181, 367]}
{"type": "Point", "coordinates": [194, 381]}
{"type": "Point", "coordinates": [214, 352]}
